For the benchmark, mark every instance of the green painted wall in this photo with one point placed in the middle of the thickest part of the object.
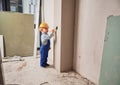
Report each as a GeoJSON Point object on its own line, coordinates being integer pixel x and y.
{"type": "Point", "coordinates": [110, 69]}
{"type": "Point", "coordinates": [18, 31]}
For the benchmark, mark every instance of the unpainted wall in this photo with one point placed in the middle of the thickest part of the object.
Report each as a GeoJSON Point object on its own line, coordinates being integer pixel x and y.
{"type": "Point", "coordinates": [57, 43]}
{"type": "Point", "coordinates": [18, 32]}
{"type": "Point", "coordinates": [48, 17]}
{"type": "Point", "coordinates": [90, 26]}
{"type": "Point", "coordinates": [67, 34]}
{"type": "Point", "coordinates": [64, 19]}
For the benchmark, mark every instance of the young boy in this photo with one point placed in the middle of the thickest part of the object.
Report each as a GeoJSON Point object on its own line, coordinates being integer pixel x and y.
{"type": "Point", "coordinates": [45, 40]}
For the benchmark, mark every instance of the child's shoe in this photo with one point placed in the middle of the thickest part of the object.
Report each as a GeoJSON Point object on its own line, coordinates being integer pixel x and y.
{"type": "Point", "coordinates": [47, 65]}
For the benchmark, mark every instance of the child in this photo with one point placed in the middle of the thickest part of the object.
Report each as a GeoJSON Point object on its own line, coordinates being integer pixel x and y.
{"type": "Point", "coordinates": [45, 40]}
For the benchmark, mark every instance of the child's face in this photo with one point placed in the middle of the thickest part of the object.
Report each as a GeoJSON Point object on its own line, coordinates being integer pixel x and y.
{"type": "Point", "coordinates": [45, 30]}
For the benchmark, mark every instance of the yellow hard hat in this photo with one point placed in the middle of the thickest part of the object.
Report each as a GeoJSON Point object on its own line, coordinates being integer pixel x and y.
{"type": "Point", "coordinates": [43, 25]}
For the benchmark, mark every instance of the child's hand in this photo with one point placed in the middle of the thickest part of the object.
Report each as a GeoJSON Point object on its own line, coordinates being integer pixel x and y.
{"type": "Point", "coordinates": [52, 30]}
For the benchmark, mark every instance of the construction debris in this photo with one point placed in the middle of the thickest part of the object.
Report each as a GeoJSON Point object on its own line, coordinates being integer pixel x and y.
{"type": "Point", "coordinates": [21, 66]}
{"type": "Point", "coordinates": [44, 83]}
{"type": "Point", "coordinates": [11, 59]}
{"type": "Point", "coordinates": [29, 72]}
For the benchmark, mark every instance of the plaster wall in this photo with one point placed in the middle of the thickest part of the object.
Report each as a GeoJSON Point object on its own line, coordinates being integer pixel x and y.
{"type": "Point", "coordinates": [48, 17]}
{"type": "Point", "coordinates": [64, 19]}
{"type": "Point", "coordinates": [57, 43]}
{"type": "Point", "coordinates": [90, 26]}
{"type": "Point", "coordinates": [48, 9]}
{"type": "Point", "coordinates": [18, 32]}
{"type": "Point", "coordinates": [67, 34]}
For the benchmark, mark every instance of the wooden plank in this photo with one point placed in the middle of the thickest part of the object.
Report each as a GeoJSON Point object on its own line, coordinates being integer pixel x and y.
{"type": "Point", "coordinates": [1, 46]}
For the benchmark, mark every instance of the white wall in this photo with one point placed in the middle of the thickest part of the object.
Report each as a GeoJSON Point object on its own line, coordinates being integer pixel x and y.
{"type": "Point", "coordinates": [64, 19]}
{"type": "Point", "coordinates": [48, 15]}
{"type": "Point", "coordinates": [67, 34]}
{"type": "Point", "coordinates": [89, 35]}
{"type": "Point", "coordinates": [57, 44]}
{"type": "Point", "coordinates": [49, 12]}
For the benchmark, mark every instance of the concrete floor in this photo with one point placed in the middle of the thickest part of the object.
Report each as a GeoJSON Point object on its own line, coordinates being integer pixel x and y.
{"type": "Point", "coordinates": [28, 72]}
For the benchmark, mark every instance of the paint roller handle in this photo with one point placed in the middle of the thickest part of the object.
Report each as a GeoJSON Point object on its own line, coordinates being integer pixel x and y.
{"type": "Point", "coordinates": [55, 29]}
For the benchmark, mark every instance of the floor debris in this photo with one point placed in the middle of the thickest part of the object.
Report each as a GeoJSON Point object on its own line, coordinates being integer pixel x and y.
{"type": "Point", "coordinates": [44, 83]}
{"type": "Point", "coordinates": [12, 84]}
{"type": "Point", "coordinates": [29, 72]}
{"type": "Point", "coordinates": [21, 66]}
{"type": "Point", "coordinates": [11, 59]}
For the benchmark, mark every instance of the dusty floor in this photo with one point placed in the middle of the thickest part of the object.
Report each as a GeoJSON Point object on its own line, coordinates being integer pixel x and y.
{"type": "Point", "coordinates": [28, 72]}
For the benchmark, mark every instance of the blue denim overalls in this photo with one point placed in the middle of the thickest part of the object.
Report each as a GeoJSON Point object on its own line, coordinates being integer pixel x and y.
{"type": "Point", "coordinates": [44, 54]}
